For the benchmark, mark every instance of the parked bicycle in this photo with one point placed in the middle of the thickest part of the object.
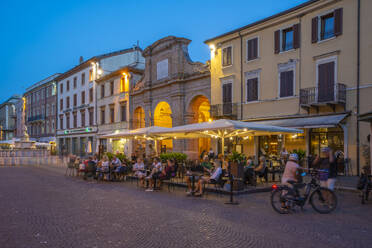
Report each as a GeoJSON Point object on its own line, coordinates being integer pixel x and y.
{"type": "Point", "coordinates": [365, 183]}
{"type": "Point", "coordinates": [284, 199]}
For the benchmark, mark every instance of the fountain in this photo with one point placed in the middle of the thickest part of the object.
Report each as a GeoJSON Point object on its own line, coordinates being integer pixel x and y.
{"type": "Point", "coordinates": [24, 142]}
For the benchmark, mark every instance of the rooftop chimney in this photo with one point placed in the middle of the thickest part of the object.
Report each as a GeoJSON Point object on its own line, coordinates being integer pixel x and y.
{"type": "Point", "coordinates": [81, 59]}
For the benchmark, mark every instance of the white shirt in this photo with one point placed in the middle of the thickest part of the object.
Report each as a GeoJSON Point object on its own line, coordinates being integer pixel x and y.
{"type": "Point", "coordinates": [216, 173]}
{"type": "Point", "coordinates": [158, 166]}
{"type": "Point", "coordinates": [139, 166]}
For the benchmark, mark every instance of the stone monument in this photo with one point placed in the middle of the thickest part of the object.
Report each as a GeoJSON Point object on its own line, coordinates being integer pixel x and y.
{"type": "Point", "coordinates": [24, 142]}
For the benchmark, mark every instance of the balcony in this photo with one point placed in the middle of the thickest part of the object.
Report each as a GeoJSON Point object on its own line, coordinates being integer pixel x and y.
{"type": "Point", "coordinates": [331, 96]}
{"type": "Point", "coordinates": [225, 110]}
{"type": "Point", "coordinates": [36, 118]}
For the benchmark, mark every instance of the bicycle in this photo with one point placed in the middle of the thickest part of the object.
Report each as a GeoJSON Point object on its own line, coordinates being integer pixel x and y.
{"type": "Point", "coordinates": [284, 198]}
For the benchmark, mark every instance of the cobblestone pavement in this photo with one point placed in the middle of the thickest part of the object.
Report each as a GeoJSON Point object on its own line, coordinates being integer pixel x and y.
{"type": "Point", "coordinates": [41, 207]}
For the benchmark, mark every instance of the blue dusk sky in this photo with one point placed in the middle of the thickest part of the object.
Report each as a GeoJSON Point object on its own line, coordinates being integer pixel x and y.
{"type": "Point", "coordinates": [40, 38]}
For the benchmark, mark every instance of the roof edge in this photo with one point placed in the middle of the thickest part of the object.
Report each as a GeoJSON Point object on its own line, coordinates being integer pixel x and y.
{"type": "Point", "coordinates": [262, 20]}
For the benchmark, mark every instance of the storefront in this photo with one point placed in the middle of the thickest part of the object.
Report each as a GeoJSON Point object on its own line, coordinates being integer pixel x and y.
{"type": "Point", "coordinates": [79, 141]}
{"type": "Point", "coordinates": [319, 131]}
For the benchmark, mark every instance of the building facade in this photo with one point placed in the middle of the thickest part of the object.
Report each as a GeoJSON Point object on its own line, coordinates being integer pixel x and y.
{"type": "Point", "coordinates": [77, 99]}
{"type": "Point", "coordinates": [174, 91]}
{"type": "Point", "coordinates": [298, 68]}
{"type": "Point", "coordinates": [41, 103]}
{"type": "Point", "coordinates": [8, 118]}
{"type": "Point", "coordinates": [113, 106]}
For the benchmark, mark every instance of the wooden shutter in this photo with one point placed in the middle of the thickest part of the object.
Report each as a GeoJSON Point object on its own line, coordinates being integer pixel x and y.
{"type": "Point", "coordinates": [314, 30]}
{"type": "Point", "coordinates": [277, 41]}
{"type": "Point", "coordinates": [296, 36]}
{"type": "Point", "coordinates": [226, 93]}
{"type": "Point", "coordinates": [249, 50]}
{"type": "Point", "coordinates": [286, 83]}
{"type": "Point", "coordinates": [255, 48]}
{"type": "Point", "coordinates": [252, 89]}
{"type": "Point", "coordinates": [338, 22]}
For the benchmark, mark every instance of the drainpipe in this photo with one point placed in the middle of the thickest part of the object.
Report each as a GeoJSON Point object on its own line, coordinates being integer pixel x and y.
{"type": "Point", "coordinates": [241, 76]}
{"type": "Point", "coordinates": [358, 91]}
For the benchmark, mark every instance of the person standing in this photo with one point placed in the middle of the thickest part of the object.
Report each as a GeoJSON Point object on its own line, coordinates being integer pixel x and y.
{"type": "Point", "coordinates": [326, 162]}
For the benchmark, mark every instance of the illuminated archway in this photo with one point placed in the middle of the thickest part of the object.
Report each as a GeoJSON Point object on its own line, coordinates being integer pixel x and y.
{"type": "Point", "coordinates": [163, 118]}
{"type": "Point", "coordinates": [139, 118]}
{"type": "Point", "coordinates": [200, 107]}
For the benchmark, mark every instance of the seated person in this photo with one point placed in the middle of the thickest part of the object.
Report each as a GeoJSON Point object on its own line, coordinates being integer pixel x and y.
{"type": "Point", "coordinates": [105, 169]}
{"type": "Point", "coordinates": [249, 175]}
{"type": "Point", "coordinates": [139, 170]}
{"type": "Point", "coordinates": [260, 169]}
{"type": "Point", "coordinates": [121, 171]}
{"type": "Point", "coordinates": [213, 177]}
{"type": "Point", "coordinates": [90, 167]}
{"type": "Point", "coordinates": [169, 170]}
{"type": "Point", "coordinates": [196, 169]}
{"type": "Point", "coordinates": [155, 173]}
{"type": "Point", "coordinates": [206, 163]}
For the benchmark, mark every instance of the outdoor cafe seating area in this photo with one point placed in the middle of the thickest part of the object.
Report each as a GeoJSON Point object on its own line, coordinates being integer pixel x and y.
{"type": "Point", "coordinates": [183, 172]}
{"type": "Point", "coordinates": [221, 173]}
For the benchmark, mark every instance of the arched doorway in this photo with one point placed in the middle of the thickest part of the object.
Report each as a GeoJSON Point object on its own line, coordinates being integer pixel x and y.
{"type": "Point", "coordinates": [163, 118]}
{"type": "Point", "coordinates": [139, 118]}
{"type": "Point", "coordinates": [199, 109]}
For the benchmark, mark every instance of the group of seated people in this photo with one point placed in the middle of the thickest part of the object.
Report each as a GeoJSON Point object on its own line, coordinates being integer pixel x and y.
{"type": "Point", "coordinates": [100, 169]}
{"type": "Point", "coordinates": [152, 176]}
{"type": "Point", "coordinates": [207, 171]}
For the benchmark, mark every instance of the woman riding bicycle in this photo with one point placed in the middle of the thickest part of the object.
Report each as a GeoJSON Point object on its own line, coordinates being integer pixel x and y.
{"type": "Point", "coordinates": [291, 171]}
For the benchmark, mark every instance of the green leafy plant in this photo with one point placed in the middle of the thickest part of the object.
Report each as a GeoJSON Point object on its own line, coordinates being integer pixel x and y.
{"type": "Point", "coordinates": [237, 157]}
{"type": "Point", "coordinates": [177, 156]}
{"type": "Point", "coordinates": [300, 153]}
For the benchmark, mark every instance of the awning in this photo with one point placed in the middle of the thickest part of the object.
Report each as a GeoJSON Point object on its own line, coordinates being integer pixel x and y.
{"type": "Point", "coordinates": [307, 122]}
{"type": "Point", "coordinates": [366, 117]}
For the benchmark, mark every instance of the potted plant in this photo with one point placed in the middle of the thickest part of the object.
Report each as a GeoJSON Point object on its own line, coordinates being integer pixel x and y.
{"type": "Point", "coordinates": [237, 161]}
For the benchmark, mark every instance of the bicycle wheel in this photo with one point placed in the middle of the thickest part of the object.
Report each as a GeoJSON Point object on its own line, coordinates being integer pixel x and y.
{"type": "Point", "coordinates": [280, 201]}
{"type": "Point", "coordinates": [323, 200]}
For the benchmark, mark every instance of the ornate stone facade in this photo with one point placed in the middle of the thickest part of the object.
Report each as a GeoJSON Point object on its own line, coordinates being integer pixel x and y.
{"type": "Point", "coordinates": [175, 83]}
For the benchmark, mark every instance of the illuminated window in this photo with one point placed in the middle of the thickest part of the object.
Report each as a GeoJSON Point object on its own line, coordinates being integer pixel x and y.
{"type": "Point", "coordinates": [124, 84]}
{"type": "Point", "coordinates": [90, 75]}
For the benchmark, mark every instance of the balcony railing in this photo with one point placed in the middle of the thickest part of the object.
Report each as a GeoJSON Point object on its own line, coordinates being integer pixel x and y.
{"type": "Point", "coordinates": [224, 110]}
{"type": "Point", "coordinates": [36, 118]}
{"type": "Point", "coordinates": [314, 96]}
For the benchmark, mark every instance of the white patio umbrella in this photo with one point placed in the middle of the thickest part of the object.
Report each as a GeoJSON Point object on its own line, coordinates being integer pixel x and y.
{"type": "Point", "coordinates": [224, 128]}
{"type": "Point", "coordinates": [148, 133]}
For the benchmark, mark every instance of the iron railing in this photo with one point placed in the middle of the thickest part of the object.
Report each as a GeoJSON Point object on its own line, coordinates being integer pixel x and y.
{"type": "Point", "coordinates": [313, 96]}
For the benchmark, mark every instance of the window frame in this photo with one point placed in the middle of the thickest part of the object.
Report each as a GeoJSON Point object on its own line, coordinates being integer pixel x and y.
{"type": "Point", "coordinates": [247, 49]}
{"type": "Point", "coordinates": [251, 75]}
{"type": "Point", "coordinates": [227, 81]}
{"type": "Point", "coordinates": [232, 55]}
{"type": "Point", "coordinates": [283, 38]}
{"type": "Point", "coordinates": [320, 25]}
